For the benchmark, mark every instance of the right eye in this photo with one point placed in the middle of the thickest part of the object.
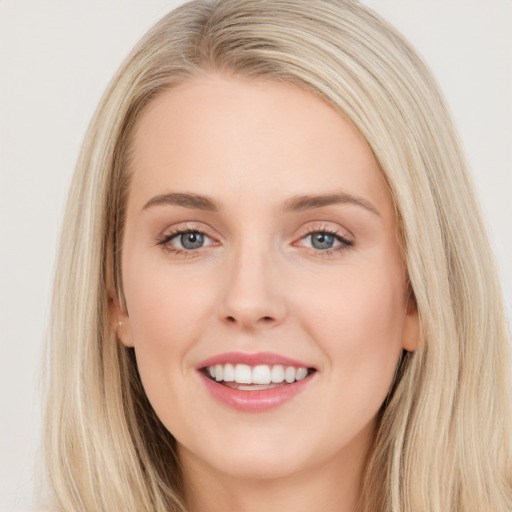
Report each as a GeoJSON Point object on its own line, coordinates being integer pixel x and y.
{"type": "Point", "coordinates": [182, 241]}
{"type": "Point", "coordinates": [192, 240]}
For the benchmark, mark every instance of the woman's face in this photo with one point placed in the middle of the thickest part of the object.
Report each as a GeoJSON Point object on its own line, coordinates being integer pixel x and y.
{"type": "Point", "coordinates": [261, 243]}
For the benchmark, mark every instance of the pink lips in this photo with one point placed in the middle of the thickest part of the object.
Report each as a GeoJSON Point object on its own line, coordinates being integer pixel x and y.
{"type": "Point", "coordinates": [252, 359]}
{"type": "Point", "coordinates": [258, 400]}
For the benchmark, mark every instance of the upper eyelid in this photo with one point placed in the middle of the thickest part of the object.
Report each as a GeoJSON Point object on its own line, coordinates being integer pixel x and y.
{"type": "Point", "coordinates": [194, 228]}
{"type": "Point", "coordinates": [166, 238]}
{"type": "Point", "coordinates": [336, 231]}
{"type": "Point", "coordinates": [186, 227]}
{"type": "Point", "coordinates": [174, 232]}
{"type": "Point", "coordinates": [344, 241]}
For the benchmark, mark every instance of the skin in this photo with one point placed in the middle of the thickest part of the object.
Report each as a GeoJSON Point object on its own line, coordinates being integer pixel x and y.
{"type": "Point", "coordinates": [258, 284]}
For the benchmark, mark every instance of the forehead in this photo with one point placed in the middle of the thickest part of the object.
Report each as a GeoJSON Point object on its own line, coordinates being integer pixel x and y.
{"type": "Point", "coordinates": [228, 136]}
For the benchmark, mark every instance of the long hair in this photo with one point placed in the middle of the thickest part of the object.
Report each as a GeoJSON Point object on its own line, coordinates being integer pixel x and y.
{"type": "Point", "coordinates": [443, 436]}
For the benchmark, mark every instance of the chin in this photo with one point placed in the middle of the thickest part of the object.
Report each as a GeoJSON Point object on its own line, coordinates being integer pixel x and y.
{"type": "Point", "coordinates": [262, 466]}
{"type": "Point", "coordinates": [250, 455]}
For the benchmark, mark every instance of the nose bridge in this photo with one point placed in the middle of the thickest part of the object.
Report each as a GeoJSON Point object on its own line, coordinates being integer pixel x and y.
{"type": "Point", "coordinates": [253, 296]}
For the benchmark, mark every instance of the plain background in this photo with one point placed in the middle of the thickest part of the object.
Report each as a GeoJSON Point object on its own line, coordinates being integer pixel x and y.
{"type": "Point", "coordinates": [56, 58]}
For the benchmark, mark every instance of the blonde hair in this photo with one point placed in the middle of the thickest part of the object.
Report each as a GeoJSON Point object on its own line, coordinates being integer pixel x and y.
{"type": "Point", "coordinates": [443, 439]}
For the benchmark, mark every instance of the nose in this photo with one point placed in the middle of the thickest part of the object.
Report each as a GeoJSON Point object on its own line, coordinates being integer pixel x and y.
{"type": "Point", "coordinates": [253, 296]}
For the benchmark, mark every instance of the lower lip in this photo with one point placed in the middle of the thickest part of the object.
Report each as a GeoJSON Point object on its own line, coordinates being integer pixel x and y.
{"type": "Point", "coordinates": [255, 401]}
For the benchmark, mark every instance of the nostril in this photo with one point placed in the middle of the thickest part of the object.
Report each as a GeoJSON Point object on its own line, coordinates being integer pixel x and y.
{"type": "Point", "coordinates": [248, 320]}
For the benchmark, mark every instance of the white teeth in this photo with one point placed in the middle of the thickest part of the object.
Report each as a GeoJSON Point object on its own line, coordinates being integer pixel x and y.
{"type": "Point", "coordinates": [229, 373]}
{"type": "Point", "coordinates": [301, 374]}
{"type": "Point", "coordinates": [261, 375]}
{"type": "Point", "coordinates": [243, 374]}
{"type": "Point", "coordinates": [277, 373]}
{"type": "Point", "coordinates": [258, 375]}
{"type": "Point", "coordinates": [289, 374]}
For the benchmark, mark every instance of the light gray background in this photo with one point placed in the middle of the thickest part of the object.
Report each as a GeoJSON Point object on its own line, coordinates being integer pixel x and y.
{"type": "Point", "coordinates": [56, 58]}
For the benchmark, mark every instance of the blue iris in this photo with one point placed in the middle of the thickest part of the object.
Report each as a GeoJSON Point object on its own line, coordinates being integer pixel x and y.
{"type": "Point", "coordinates": [322, 240]}
{"type": "Point", "coordinates": [192, 240]}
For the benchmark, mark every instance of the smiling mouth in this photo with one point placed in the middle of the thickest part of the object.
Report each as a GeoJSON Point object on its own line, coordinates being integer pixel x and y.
{"type": "Point", "coordinates": [253, 378]}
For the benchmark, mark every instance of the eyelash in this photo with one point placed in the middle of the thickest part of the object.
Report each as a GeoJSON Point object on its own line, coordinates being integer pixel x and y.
{"type": "Point", "coordinates": [344, 242]}
{"type": "Point", "coordinates": [165, 239]}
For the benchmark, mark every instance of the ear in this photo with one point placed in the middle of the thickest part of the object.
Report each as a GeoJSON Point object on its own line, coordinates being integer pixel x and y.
{"type": "Point", "coordinates": [120, 322]}
{"type": "Point", "coordinates": [411, 329]}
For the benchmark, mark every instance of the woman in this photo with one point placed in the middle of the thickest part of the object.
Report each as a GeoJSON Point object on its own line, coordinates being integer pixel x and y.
{"type": "Point", "coordinates": [270, 293]}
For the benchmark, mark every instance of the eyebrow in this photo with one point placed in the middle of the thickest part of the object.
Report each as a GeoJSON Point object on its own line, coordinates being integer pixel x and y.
{"type": "Point", "coordinates": [294, 204]}
{"type": "Point", "coordinates": [308, 202]}
{"type": "Point", "coordinates": [193, 201]}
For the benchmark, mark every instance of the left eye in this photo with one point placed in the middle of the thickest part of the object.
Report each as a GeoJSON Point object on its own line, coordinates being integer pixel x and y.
{"type": "Point", "coordinates": [189, 240]}
{"type": "Point", "coordinates": [323, 241]}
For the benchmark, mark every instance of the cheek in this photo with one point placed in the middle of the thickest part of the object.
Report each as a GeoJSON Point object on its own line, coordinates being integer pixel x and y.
{"type": "Point", "coordinates": [358, 324]}
{"type": "Point", "coordinates": [359, 329]}
{"type": "Point", "coordinates": [166, 314]}
{"type": "Point", "coordinates": [164, 303]}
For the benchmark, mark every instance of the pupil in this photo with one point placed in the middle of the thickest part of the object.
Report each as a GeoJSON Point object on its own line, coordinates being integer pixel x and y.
{"type": "Point", "coordinates": [322, 240]}
{"type": "Point", "coordinates": [191, 240]}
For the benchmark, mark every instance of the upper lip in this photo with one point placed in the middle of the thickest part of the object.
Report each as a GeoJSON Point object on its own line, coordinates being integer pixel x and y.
{"type": "Point", "coordinates": [252, 359]}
